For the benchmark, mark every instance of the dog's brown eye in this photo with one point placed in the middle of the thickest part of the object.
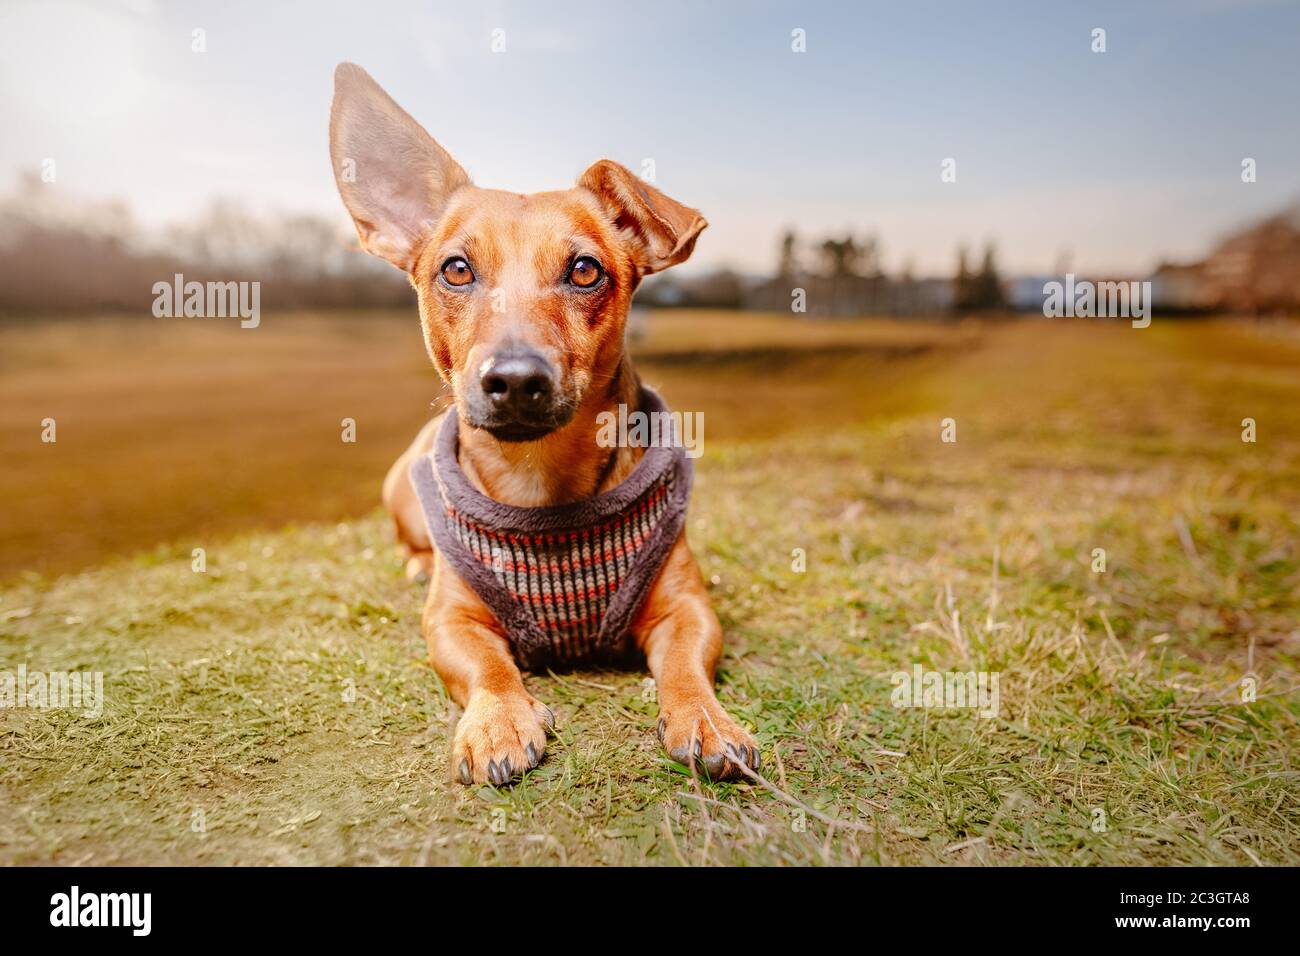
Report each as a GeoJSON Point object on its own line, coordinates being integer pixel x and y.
{"type": "Point", "coordinates": [585, 272]}
{"type": "Point", "coordinates": [456, 271]}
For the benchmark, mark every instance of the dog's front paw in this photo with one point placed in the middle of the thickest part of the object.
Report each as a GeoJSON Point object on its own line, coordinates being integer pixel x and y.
{"type": "Point", "coordinates": [499, 737]}
{"type": "Point", "coordinates": [702, 734]}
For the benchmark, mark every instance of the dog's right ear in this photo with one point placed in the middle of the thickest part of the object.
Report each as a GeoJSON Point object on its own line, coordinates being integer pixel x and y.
{"type": "Point", "coordinates": [394, 179]}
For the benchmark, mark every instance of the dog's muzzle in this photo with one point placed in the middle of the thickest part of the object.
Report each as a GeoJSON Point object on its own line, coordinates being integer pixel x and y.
{"type": "Point", "coordinates": [518, 398]}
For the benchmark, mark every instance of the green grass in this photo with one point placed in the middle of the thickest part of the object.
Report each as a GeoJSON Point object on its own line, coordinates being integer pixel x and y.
{"type": "Point", "coordinates": [230, 693]}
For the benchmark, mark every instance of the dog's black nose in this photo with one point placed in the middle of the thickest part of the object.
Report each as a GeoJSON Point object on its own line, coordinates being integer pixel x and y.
{"type": "Point", "coordinates": [518, 385]}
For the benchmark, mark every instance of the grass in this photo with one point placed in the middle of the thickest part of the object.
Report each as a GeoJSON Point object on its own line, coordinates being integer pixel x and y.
{"type": "Point", "coordinates": [159, 421]}
{"type": "Point", "coordinates": [278, 710]}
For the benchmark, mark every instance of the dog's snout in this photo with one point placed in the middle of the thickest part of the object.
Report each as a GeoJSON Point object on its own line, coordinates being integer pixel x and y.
{"type": "Point", "coordinates": [518, 382]}
{"type": "Point", "coordinates": [519, 395]}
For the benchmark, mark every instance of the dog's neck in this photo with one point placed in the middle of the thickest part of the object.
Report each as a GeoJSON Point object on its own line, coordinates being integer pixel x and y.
{"type": "Point", "coordinates": [567, 465]}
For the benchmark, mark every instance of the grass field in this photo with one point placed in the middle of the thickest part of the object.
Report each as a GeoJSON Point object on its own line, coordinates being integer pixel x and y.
{"type": "Point", "coordinates": [278, 709]}
{"type": "Point", "coordinates": [172, 429]}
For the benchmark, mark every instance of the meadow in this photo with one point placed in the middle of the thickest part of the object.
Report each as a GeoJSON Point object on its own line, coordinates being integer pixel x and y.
{"type": "Point", "coordinates": [277, 708]}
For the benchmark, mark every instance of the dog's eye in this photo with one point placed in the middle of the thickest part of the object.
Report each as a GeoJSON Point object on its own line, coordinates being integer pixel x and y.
{"type": "Point", "coordinates": [456, 271]}
{"type": "Point", "coordinates": [585, 272]}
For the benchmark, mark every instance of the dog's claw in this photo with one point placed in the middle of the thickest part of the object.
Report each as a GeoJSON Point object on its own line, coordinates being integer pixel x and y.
{"type": "Point", "coordinates": [550, 719]}
{"type": "Point", "coordinates": [531, 753]}
{"type": "Point", "coordinates": [749, 756]}
{"type": "Point", "coordinates": [745, 756]}
{"type": "Point", "coordinates": [715, 745]}
{"type": "Point", "coordinates": [465, 777]}
{"type": "Point", "coordinates": [505, 769]}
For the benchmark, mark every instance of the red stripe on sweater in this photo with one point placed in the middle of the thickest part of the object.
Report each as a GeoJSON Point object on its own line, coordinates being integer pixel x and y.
{"type": "Point", "coordinates": [561, 624]}
{"type": "Point", "coordinates": [599, 590]}
{"type": "Point", "coordinates": [566, 565]}
{"type": "Point", "coordinates": [646, 504]}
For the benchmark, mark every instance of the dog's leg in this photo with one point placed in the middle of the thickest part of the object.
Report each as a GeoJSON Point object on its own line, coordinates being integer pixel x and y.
{"type": "Point", "coordinates": [682, 640]}
{"type": "Point", "coordinates": [419, 566]}
{"type": "Point", "coordinates": [403, 505]}
{"type": "Point", "coordinates": [502, 732]}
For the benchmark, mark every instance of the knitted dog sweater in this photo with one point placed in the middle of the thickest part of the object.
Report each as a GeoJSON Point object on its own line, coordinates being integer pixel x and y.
{"type": "Point", "coordinates": [564, 581]}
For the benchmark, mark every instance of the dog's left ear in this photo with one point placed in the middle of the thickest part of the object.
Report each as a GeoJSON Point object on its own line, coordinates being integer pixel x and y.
{"type": "Point", "coordinates": [665, 229]}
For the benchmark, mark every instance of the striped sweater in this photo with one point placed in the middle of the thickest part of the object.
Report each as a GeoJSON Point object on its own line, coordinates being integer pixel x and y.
{"type": "Point", "coordinates": [564, 581]}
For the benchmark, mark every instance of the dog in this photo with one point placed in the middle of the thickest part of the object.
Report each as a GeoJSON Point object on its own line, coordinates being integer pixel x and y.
{"type": "Point", "coordinates": [523, 302]}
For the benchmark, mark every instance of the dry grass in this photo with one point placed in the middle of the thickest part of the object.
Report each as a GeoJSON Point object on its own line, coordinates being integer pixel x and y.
{"type": "Point", "coordinates": [228, 693]}
{"type": "Point", "coordinates": [174, 429]}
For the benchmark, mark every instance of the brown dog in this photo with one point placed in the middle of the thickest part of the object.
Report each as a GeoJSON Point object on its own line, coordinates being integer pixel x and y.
{"type": "Point", "coordinates": [523, 301]}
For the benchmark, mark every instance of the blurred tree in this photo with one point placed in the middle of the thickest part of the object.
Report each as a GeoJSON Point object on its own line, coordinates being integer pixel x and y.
{"type": "Point", "coordinates": [905, 301]}
{"type": "Point", "coordinates": [979, 291]}
{"type": "Point", "coordinates": [869, 257]}
{"type": "Point", "coordinates": [788, 264]}
{"type": "Point", "coordinates": [988, 283]}
{"type": "Point", "coordinates": [963, 292]}
{"type": "Point", "coordinates": [841, 256]}
{"type": "Point", "coordinates": [60, 251]}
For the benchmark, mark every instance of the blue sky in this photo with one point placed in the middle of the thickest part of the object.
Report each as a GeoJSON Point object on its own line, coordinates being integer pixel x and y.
{"type": "Point", "coordinates": [1115, 160]}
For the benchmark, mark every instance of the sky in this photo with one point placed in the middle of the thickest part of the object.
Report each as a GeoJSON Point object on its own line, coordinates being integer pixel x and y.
{"type": "Point", "coordinates": [1101, 162]}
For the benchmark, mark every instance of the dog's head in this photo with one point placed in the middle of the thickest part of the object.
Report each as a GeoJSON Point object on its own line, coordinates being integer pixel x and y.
{"type": "Point", "coordinates": [523, 298]}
